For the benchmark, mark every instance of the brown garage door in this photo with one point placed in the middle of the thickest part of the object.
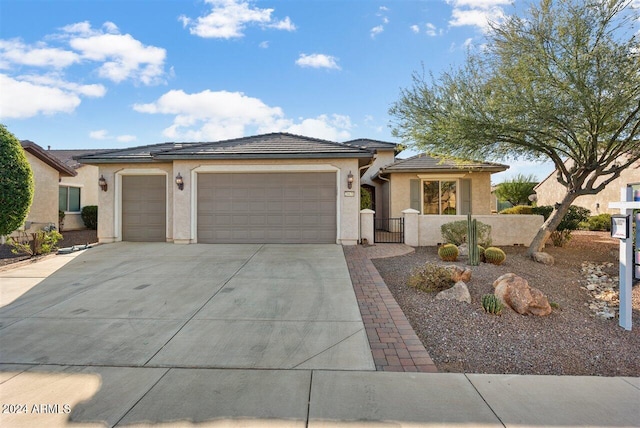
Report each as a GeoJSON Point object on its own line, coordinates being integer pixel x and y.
{"type": "Point", "coordinates": [267, 208]}
{"type": "Point", "coordinates": [144, 208]}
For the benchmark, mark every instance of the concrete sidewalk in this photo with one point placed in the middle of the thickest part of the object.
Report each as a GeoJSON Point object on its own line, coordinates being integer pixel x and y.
{"type": "Point", "coordinates": [55, 374]}
{"type": "Point", "coordinates": [64, 396]}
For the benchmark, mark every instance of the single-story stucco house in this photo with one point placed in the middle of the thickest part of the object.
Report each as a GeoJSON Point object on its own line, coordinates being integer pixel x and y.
{"type": "Point", "coordinates": [273, 188]}
{"type": "Point", "coordinates": [549, 191]}
{"type": "Point", "coordinates": [48, 172]}
{"type": "Point", "coordinates": [78, 191]}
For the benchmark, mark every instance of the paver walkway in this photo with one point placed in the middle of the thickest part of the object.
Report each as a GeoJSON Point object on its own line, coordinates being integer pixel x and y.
{"type": "Point", "coordinates": [394, 344]}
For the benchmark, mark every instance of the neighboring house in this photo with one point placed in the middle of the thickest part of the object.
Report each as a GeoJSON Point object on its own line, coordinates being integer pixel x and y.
{"type": "Point", "coordinates": [549, 191]}
{"type": "Point", "coordinates": [48, 171]}
{"type": "Point", "coordinates": [78, 191]}
{"type": "Point", "coordinates": [272, 188]}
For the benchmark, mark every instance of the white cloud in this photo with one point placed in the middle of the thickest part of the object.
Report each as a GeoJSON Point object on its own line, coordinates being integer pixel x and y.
{"type": "Point", "coordinates": [126, 138]}
{"type": "Point", "coordinates": [100, 134]}
{"type": "Point", "coordinates": [54, 80]}
{"type": "Point", "coordinates": [16, 52]}
{"type": "Point", "coordinates": [122, 57]}
{"type": "Point", "coordinates": [229, 18]}
{"type": "Point", "coordinates": [432, 30]}
{"type": "Point", "coordinates": [376, 30]}
{"type": "Point", "coordinates": [478, 13]}
{"type": "Point", "coordinates": [264, 45]}
{"type": "Point", "coordinates": [103, 134]}
{"type": "Point", "coordinates": [211, 116]}
{"type": "Point", "coordinates": [318, 61]}
{"type": "Point", "coordinates": [22, 99]}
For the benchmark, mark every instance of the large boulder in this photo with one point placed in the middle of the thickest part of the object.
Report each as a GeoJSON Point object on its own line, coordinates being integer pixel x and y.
{"type": "Point", "coordinates": [544, 258]}
{"type": "Point", "coordinates": [459, 273]}
{"type": "Point", "coordinates": [515, 292]}
{"type": "Point", "coordinates": [458, 292]}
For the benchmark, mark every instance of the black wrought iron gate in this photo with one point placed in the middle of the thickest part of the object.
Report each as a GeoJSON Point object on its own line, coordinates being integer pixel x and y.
{"type": "Point", "coordinates": [388, 230]}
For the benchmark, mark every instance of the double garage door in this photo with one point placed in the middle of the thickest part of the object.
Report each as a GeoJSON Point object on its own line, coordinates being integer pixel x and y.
{"type": "Point", "coordinates": [266, 208]}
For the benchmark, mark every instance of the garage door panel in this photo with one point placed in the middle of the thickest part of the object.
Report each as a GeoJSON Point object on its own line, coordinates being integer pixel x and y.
{"type": "Point", "coordinates": [144, 208]}
{"type": "Point", "coordinates": [267, 207]}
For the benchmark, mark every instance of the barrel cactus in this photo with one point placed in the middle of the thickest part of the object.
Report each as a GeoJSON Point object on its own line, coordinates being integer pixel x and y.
{"type": "Point", "coordinates": [448, 253]}
{"type": "Point", "coordinates": [491, 304]}
{"type": "Point", "coordinates": [494, 255]}
{"type": "Point", "coordinates": [481, 254]}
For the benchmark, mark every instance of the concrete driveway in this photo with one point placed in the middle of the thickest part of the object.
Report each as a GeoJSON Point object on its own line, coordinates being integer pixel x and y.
{"type": "Point", "coordinates": [196, 306]}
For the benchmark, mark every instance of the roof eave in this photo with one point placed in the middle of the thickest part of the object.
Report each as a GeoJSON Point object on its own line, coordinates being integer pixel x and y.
{"type": "Point", "coordinates": [253, 156]}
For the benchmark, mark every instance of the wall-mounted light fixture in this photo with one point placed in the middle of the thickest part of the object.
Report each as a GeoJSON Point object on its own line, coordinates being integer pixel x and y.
{"type": "Point", "coordinates": [102, 182]}
{"type": "Point", "coordinates": [350, 180]}
{"type": "Point", "coordinates": [179, 181]}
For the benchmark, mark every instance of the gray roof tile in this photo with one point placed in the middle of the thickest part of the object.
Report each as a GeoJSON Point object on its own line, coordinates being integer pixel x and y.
{"type": "Point", "coordinates": [424, 163]}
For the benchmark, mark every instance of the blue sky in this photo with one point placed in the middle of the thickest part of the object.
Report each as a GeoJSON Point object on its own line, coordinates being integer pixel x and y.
{"type": "Point", "coordinates": [120, 73]}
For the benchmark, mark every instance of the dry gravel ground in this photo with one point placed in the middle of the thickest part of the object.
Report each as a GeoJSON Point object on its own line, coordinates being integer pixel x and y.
{"type": "Point", "coordinates": [571, 341]}
{"type": "Point", "coordinates": [70, 238]}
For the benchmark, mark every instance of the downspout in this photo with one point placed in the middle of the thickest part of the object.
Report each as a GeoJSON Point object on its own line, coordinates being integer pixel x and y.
{"type": "Point", "coordinates": [373, 159]}
{"type": "Point", "coordinates": [389, 185]}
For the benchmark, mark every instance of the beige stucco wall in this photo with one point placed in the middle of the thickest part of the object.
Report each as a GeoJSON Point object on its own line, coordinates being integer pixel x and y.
{"type": "Point", "coordinates": [505, 229]}
{"type": "Point", "coordinates": [550, 191]}
{"type": "Point", "coordinates": [44, 208]}
{"type": "Point", "coordinates": [109, 202]}
{"type": "Point", "coordinates": [383, 158]}
{"type": "Point", "coordinates": [182, 204]}
{"type": "Point", "coordinates": [480, 190]}
{"type": "Point", "coordinates": [87, 180]}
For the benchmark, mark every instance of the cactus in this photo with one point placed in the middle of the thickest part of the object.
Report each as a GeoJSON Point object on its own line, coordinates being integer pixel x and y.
{"type": "Point", "coordinates": [448, 253]}
{"type": "Point", "coordinates": [472, 241]}
{"type": "Point", "coordinates": [491, 304]}
{"type": "Point", "coordinates": [481, 254]}
{"type": "Point", "coordinates": [494, 255]}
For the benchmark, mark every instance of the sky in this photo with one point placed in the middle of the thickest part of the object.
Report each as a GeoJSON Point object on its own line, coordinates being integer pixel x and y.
{"type": "Point", "coordinates": [95, 74]}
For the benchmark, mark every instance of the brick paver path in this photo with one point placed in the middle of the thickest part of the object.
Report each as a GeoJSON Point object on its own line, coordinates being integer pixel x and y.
{"type": "Point", "coordinates": [394, 344]}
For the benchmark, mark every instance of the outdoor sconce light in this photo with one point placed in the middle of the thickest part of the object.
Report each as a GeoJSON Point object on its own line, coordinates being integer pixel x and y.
{"type": "Point", "coordinates": [102, 183]}
{"type": "Point", "coordinates": [179, 181]}
{"type": "Point", "coordinates": [350, 180]}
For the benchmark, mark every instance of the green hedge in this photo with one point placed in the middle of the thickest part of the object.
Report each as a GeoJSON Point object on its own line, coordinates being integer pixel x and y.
{"type": "Point", "coordinates": [16, 183]}
{"type": "Point", "coordinates": [90, 216]}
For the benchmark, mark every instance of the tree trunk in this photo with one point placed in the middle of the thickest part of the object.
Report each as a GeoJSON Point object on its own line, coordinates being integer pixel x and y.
{"type": "Point", "coordinates": [551, 224]}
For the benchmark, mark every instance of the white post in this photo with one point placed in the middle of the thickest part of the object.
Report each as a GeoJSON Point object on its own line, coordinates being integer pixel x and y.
{"type": "Point", "coordinates": [411, 227]}
{"type": "Point", "coordinates": [366, 226]}
{"type": "Point", "coordinates": [626, 267]}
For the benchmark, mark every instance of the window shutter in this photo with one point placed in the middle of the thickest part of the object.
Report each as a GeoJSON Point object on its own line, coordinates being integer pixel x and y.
{"type": "Point", "coordinates": [415, 195]}
{"type": "Point", "coordinates": [465, 196]}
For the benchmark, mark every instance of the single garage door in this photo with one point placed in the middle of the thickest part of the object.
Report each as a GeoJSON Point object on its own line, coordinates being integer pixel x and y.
{"type": "Point", "coordinates": [267, 208]}
{"type": "Point", "coordinates": [144, 207]}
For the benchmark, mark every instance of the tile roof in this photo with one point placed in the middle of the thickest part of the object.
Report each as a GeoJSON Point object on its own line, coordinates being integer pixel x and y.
{"type": "Point", "coordinates": [67, 157]}
{"type": "Point", "coordinates": [425, 163]}
{"type": "Point", "coordinates": [267, 146]}
{"type": "Point", "coordinates": [372, 144]}
{"type": "Point", "coordinates": [46, 157]}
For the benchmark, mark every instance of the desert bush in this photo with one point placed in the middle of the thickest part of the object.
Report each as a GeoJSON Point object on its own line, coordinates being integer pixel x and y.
{"type": "Point", "coordinates": [494, 255]}
{"type": "Point", "coordinates": [518, 209]}
{"type": "Point", "coordinates": [448, 253]}
{"type": "Point", "coordinates": [36, 243]}
{"type": "Point", "coordinates": [597, 222]}
{"type": "Point", "coordinates": [560, 237]}
{"type": "Point", "coordinates": [430, 277]}
{"type": "Point", "coordinates": [89, 216]}
{"type": "Point", "coordinates": [456, 233]}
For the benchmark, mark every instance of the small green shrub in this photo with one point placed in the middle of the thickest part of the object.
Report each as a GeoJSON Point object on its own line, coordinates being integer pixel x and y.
{"type": "Point", "coordinates": [554, 305]}
{"type": "Point", "coordinates": [430, 277]}
{"type": "Point", "coordinates": [89, 216]}
{"type": "Point", "coordinates": [456, 233]}
{"type": "Point", "coordinates": [37, 243]}
{"type": "Point", "coordinates": [448, 253]}
{"type": "Point", "coordinates": [518, 209]}
{"type": "Point", "coordinates": [491, 304]}
{"type": "Point", "coordinates": [597, 222]}
{"type": "Point", "coordinates": [560, 237]}
{"type": "Point", "coordinates": [494, 255]}
{"type": "Point", "coordinates": [570, 221]}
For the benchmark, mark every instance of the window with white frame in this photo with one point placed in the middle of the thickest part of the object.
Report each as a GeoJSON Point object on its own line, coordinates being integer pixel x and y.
{"type": "Point", "coordinates": [69, 199]}
{"type": "Point", "coordinates": [439, 197]}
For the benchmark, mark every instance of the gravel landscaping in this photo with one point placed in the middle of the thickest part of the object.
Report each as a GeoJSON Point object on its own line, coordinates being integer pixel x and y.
{"type": "Point", "coordinates": [70, 238]}
{"type": "Point", "coordinates": [576, 339]}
